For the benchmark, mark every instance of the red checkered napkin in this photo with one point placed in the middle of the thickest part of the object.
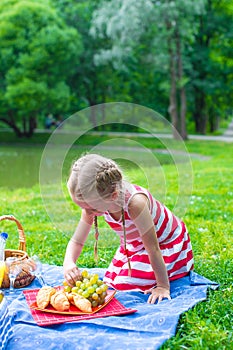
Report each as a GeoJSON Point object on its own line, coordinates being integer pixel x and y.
{"type": "Point", "coordinates": [113, 308]}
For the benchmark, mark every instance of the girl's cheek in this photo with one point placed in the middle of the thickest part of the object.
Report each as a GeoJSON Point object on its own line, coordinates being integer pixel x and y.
{"type": "Point", "coordinates": [90, 211]}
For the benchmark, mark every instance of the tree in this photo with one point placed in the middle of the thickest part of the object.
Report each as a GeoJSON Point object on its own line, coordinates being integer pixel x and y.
{"type": "Point", "coordinates": [94, 84]}
{"type": "Point", "coordinates": [173, 26]}
{"type": "Point", "coordinates": [211, 62]}
{"type": "Point", "coordinates": [37, 52]}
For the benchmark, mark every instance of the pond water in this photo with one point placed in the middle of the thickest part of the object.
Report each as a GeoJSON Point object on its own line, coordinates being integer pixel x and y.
{"type": "Point", "coordinates": [20, 164]}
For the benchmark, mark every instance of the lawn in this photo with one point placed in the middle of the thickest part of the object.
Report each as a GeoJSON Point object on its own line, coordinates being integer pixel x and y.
{"type": "Point", "coordinates": [208, 215]}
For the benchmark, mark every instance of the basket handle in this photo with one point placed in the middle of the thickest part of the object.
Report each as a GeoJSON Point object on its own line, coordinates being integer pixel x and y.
{"type": "Point", "coordinates": [22, 238]}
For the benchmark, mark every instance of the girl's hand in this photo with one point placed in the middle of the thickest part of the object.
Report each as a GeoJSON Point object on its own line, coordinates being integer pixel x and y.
{"type": "Point", "coordinates": [157, 294]}
{"type": "Point", "coordinates": [72, 274]}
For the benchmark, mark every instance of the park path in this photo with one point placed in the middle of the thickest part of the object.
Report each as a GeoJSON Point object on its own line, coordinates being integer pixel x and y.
{"type": "Point", "coordinates": [229, 131]}
{"type": "Point", "coordinates": [227, 136]}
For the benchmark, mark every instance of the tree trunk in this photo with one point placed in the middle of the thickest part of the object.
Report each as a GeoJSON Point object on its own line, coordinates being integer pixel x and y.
{"type": "Point", "coordinates": [199, 114]}
{"type": "Point", "coordinates": [11, 123]}
{"type": "Point", "coordinates": [93, 114]}
{"type": "Point", "coordinates": [103, 112]}
{"type": "Point", "coordinates": [182, 92]}
{"type": "Point", "coordinates": [203, 39]}
{"type": "Point", "coordinates": [27, 131]}
{"type": "Point", "coordinates": [183, 108]}
{"type": "Point", "coordinates": [24, 122]}
{"type": "Point", "coordinates": [32, 126]}
{"type": "Point", "coordinates": [213, 119]}
{"type": "Point", "coordinates": [29, 125]}
{"type": "Point", "coordinates": [172, 96]}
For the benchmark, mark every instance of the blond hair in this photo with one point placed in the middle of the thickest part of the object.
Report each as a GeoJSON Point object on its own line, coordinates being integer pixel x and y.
{"type": "Point", "coordinates": [92, 176]}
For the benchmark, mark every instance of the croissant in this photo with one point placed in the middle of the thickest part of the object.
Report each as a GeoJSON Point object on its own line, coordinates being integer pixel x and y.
{"type": "Point", "coordinates": [44, 295]}
{"type": "Point", "coordinates": [60, 301]}
{"type": "Point", "coordinates": [70, 297]}
{"type": "Point", "coordinates": [82, 303]}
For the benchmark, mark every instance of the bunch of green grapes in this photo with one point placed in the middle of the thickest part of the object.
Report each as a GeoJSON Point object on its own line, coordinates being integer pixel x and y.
{"type": "Point", "coordinates": [90, 287]}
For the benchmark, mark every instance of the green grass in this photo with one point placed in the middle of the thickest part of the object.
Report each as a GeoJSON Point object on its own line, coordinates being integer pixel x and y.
{"type": "Point", "coordinates": [209, 219]}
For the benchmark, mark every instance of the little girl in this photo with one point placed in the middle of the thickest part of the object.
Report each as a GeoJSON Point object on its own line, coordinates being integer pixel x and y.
{"type": "Point", "coordinates": [154, 244]}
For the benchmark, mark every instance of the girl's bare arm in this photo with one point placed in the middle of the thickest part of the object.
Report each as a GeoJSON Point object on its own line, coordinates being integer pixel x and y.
{"type": "Point", "coordinates": [74, 248]}
{"type": "Point", "coordinates": [140, 214]}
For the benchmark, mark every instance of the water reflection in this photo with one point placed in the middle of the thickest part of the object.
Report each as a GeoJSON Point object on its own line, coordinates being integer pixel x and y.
{"type": "Point", "coordinates": [19, 166]}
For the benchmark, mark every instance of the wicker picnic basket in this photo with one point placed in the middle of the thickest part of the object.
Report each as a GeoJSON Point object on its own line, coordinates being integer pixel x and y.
{"type": "Point", "coordinates": [25, 277]}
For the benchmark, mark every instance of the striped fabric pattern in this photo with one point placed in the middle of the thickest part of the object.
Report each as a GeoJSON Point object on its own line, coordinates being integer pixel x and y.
{"type": "Point", "coordinates": [5, 324]}
{"type": "Point", "coordinates": [174, 242]}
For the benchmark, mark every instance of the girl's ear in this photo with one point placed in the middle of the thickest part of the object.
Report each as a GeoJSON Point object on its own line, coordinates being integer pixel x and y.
{"type": "Point", "coordinates": [114, 195]}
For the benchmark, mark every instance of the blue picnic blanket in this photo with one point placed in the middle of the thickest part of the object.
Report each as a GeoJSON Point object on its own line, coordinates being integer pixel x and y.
{"type": "Point", "coordinates": [146, 329]}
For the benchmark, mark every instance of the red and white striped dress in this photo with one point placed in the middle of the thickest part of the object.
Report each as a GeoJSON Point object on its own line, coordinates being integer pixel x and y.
{"type": "Point", "coordinates": [173, 240]}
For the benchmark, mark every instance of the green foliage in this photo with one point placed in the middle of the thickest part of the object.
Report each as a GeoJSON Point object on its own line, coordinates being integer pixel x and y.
{"type": "Point", "coordinates": [200, 28]}
{"type": "Point", "coordinates": [50, 52]}
{"type": "Point", "coordinates": [91, 84]}
{"type": "Point", "coordinates": [37, 49]}
{"type": "Point", "coordinates": [211, 67]}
